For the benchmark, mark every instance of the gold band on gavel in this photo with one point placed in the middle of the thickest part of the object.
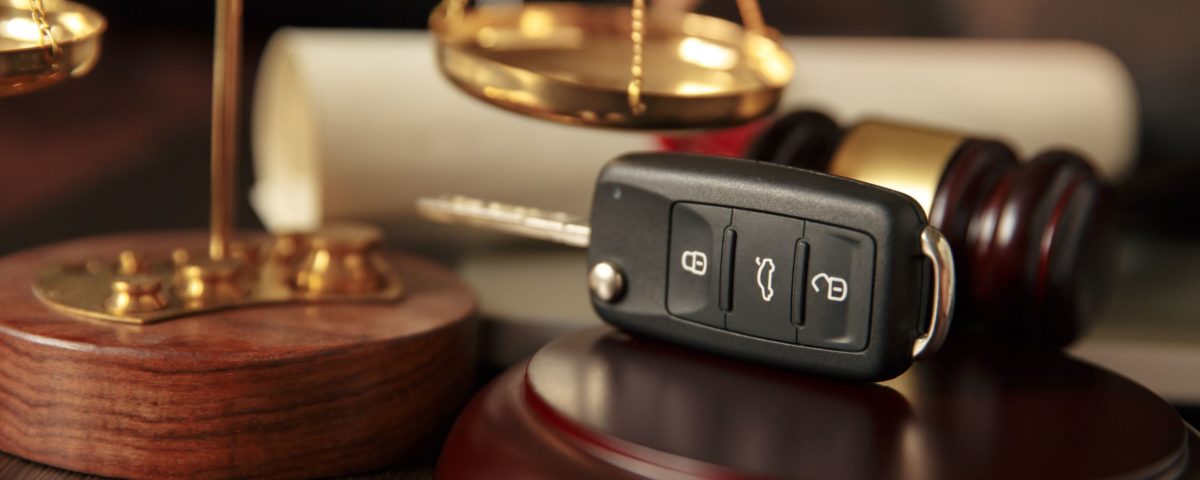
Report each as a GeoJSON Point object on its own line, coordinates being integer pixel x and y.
{"type": "Point", "coordinates": [904, 158]}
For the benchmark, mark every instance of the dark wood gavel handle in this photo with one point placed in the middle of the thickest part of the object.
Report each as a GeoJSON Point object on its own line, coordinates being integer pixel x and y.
{"type": "Point", "coordinates": [1034, 242]}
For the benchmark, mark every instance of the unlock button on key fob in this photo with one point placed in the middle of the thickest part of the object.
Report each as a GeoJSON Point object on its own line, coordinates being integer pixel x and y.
{"type": "Point", "coordinates": [837, 306]}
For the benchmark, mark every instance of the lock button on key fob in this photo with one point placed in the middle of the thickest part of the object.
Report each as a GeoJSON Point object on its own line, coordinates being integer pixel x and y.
{"type": "Point", "coordinates": [694, 276]}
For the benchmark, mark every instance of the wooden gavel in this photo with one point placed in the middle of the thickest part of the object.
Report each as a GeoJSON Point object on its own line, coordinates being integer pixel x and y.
{"type": "Point", "coordinates": [1033, 241]}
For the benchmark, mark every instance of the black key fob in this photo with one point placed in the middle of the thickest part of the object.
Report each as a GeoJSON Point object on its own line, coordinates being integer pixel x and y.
{"type": "Point", "coordinates": [768, 263]}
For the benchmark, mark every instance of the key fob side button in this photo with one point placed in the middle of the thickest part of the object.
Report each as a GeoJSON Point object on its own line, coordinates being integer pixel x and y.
{"type": "Point", "coordinates": [694, 268]}
{"type": "Point", "coordinates": [762, 275]}
{"type": "Point", "coordinates": [837, 289]}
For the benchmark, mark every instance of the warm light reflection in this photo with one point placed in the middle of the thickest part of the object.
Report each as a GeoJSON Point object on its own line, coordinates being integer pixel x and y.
{"type": "Point", "coordinates": [1007, 229]}
{"type": "Point", "coordinates": [694, 88]}
{"type": "Point", "coordinates": [73, 21]}
{"type": "Point", "coordinates": [707, 54]}
{"type": "Point", "coordinates": [512, 96]}
{"type": "Point", "coordinates": [21, 29]}
{"type": "Point", "coordinates": [487, 37]}
{"type": "Point", "coordinates": [537, 23]}
{"type": "Point", "coordinates": [597, 388]}
{"type": "Point", "coordinates": [773, 64]}
{"type": "Point", "coordinates": [321, 261]}
{"type": "Point", "coordinates": [550, 37]}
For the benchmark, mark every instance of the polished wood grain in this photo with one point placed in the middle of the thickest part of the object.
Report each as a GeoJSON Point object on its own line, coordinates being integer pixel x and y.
{"type": "Point", "coordinates": [15, 468]}
{"type": "Point", "coordinates": [603, 404]}
{"type": "Point", "coordinates": [1042, 232]}
{"type": "Point", "coordinates": [276, 391]}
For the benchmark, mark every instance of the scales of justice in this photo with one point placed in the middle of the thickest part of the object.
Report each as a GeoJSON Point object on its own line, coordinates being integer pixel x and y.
{"type": "Point", "coordinates": [319, 353]}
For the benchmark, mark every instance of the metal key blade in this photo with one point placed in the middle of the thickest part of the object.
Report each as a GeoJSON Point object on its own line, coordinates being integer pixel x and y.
{"type": "Point", "coordinates": [550, 226]}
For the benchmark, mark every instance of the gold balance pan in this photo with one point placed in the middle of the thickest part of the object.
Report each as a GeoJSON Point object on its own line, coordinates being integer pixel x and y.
{"type": "Point", "coordinates": [27, 64]}
{"type": "Point", "coordinates": [571, 63]}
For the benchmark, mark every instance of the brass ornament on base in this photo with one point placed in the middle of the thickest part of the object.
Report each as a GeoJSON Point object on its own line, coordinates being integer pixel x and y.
{"type": "Point", "coordinates": [332, 265]}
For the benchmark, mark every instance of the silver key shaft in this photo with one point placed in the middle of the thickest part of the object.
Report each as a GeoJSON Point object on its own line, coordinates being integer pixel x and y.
{"type": "Point", "coordinates": [550, 226]}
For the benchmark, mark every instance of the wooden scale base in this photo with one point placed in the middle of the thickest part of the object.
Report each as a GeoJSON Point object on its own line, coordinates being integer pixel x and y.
{"type": "Point", "coordinates": [601, 404]}
{"type": "Point", "coordinates": [299, 390]}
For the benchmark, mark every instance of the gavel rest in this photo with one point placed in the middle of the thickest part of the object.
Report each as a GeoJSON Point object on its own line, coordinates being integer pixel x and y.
{"type": "Point", "coordinates": [602, 404]}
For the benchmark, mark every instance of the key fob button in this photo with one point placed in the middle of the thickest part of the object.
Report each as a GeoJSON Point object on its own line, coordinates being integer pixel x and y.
{"type": "Point", "coordinates": [762, 275]}
{"type": "Point", "coordinates": [837, 290]}
{"type": "Point", "coordinates": [694, 262]}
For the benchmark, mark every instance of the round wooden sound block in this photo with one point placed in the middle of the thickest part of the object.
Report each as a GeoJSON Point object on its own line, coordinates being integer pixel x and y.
{"type": "Point", "coordinates": [295, 390]}
{"type": "Point", "coordinates": [601, 404]}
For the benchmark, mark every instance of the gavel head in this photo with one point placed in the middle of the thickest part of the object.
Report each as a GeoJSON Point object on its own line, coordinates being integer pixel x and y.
{"type": "Point", "coordinates": [1033, 242]}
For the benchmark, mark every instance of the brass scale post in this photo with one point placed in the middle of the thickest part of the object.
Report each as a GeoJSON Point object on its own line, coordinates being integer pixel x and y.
{"type": "Point", "coordinates": [336, 263]}
{"type": "Point", "coordinates": [227, 62]}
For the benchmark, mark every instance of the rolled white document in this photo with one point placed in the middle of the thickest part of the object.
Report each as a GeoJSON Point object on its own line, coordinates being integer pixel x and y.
{"type": "Point", "coordinates": [356, 124]}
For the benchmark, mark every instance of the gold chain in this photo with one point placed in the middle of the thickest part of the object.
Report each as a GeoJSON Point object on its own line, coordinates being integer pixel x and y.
{"type": "Point", "coordinates": [38, 12]}
{"type": "Point", "coordinates": [749, 9]}
{"type": "Point", "coordinates": [455, 10]}
{"type": "Point", "coordinates": [637, 33]}
{"type": "Point", "coordinates": [751, 14]}
{"type": "Point", "coordinates": [752, 19]}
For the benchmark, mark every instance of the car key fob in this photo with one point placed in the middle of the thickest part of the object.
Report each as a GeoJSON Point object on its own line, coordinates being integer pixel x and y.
{"type": "Point", "coordinates": [758, 261]}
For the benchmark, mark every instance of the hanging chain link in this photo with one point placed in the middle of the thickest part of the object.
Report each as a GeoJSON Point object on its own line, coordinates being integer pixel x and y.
{"type": "Point", "coordinates": [752, 17]}
{"type": "Point", "coordinates": [750, 11]}
{"type": "Point", "coordinates": [637, 33]}
{"type": "Point", "coordinates": [37, 10]}
{"type": "Point", "coordinates": [752, 20]}
{"type": "Point", "coordinates": [455, 10]}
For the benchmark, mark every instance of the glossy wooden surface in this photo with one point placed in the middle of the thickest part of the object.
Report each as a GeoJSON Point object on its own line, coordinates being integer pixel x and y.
{"type": "Point", "coordinates": [278, 391]}
{"type": "Point", "coordinates": [1042, 231]}
{"type": "Point", "coordinates": [601, 404]}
